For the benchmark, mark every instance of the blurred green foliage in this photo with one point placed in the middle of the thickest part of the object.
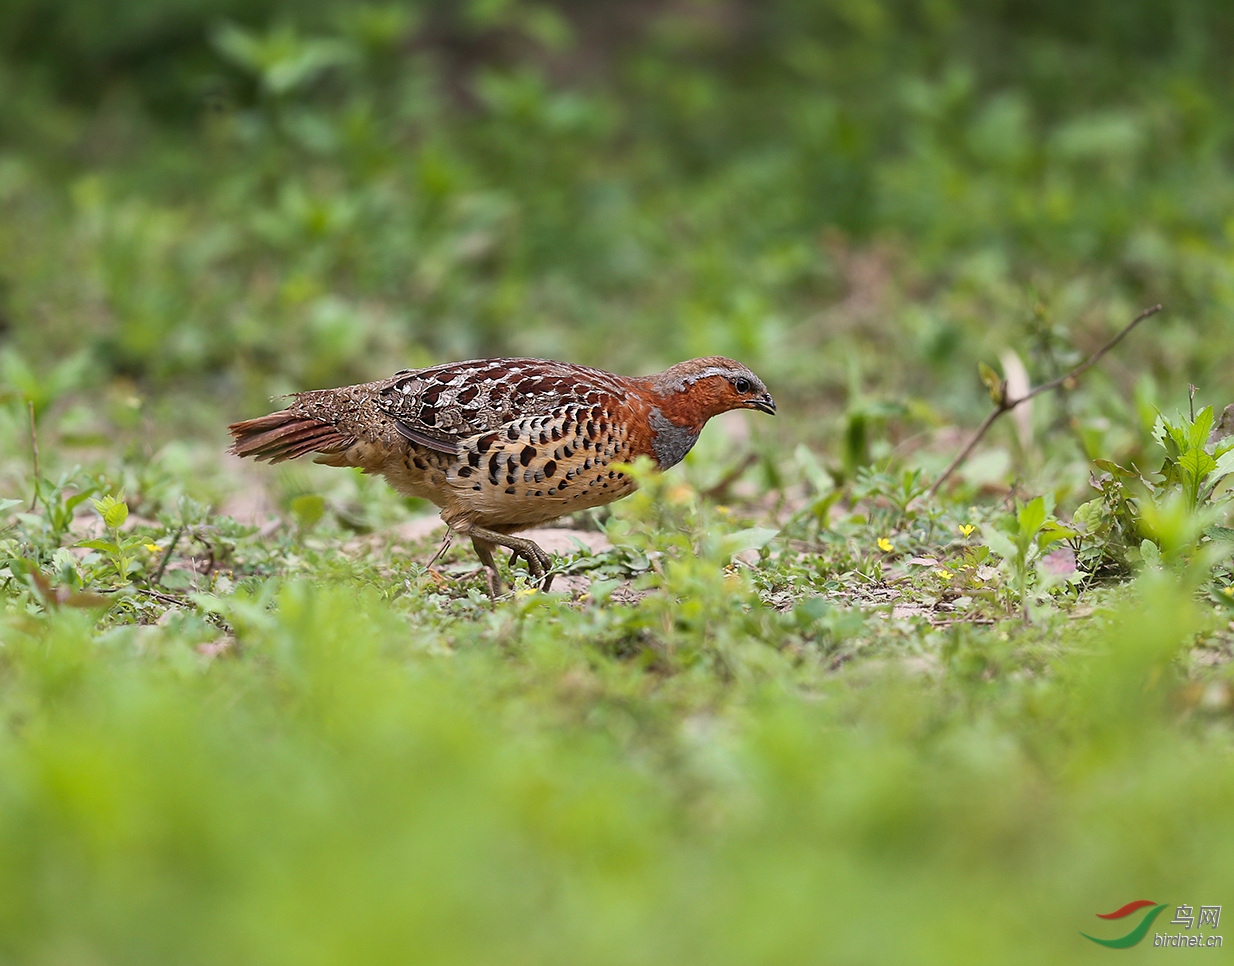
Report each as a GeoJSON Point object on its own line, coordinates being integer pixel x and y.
{"type": "Point", "coordinates": [803, 712]}
{"type": "Point", "coordinates": [289, 195]}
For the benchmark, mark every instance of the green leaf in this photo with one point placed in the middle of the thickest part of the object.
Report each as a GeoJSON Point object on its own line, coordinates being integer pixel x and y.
{"type": "Point", "coordinates": [1088, 517]}
{"type": "Point", "coordinates": [993, 382]}
{"type": "Point", "coordinates": [1150, 552]}
{"type": "Point", "coordinates": [209, 603]}
{"type": "Point", "coordinates": [112, 509]}
{"type": "Point", "coordinates": [1171, 437]}
{"type": "Point", "coordinates": [1052, 531]}
{"type": "Point", "coordinates": [105, 546]}
{"type": "Point", "coordinates": [1114, 469]}
{"type": "Point", "coordinates": [1197, 432]}
{"type": "Point", "coordinates": [754, 538]}
{"type": "Point", "coordinates": [1031, 516]}
{"type": "Point", "coordinates": [1196, 465]}
{"type": "Point", "coordinates": [281, 59]}
{"type": "Point", "coordinates": [821, 508]}
{"type": "Point", "coordinates": [1225, 464]}
{"type": "Point", "coordinates": [176, 580]}
{"type": "Point", "coordinates": [77, 499]}
{"type": "Point", "coordinates": [1000, 544]}
{"type": "Point", "coordinates": [813, 470]}
{"type": "Point", "coordinates": [308, 509]}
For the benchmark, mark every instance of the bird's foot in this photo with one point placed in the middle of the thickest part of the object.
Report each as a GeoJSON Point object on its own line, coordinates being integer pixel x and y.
{"type": "Point", "coordinates": [538, 565]}
{"type": "Point", "coordinates": [538, 562]}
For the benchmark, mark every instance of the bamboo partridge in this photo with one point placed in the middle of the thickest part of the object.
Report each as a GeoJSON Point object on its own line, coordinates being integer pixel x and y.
{"type": "Point", "coordinates": [501, 445]}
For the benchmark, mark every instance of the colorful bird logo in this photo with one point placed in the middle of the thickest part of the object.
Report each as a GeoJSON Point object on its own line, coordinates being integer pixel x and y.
{"type": "Point", "coordinates": [1136, 934]}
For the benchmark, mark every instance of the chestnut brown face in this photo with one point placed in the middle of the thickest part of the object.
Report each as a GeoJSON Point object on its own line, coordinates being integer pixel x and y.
{"type": "Point", "coordinates": [752, 394]}
{"type": "Point", "coordinates": [737, 388]}
{"type": "Point", "coordinates": [693, 391]}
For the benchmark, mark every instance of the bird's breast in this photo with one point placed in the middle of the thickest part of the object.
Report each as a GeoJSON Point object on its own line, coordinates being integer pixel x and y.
{"type": "Point", "coordinates": [670, 441]}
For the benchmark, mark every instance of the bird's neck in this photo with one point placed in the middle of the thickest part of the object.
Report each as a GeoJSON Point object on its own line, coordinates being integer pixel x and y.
{"type": "Point", "coordinates": [671, 440]}
{"type": "Point", "coordinates": [675, 417]}
{"type": "Point", "coordinates": [691, 406]}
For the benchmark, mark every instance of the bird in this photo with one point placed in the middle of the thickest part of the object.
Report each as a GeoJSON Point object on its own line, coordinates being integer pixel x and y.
{"type": "Point", "coordinates": [502, 445]}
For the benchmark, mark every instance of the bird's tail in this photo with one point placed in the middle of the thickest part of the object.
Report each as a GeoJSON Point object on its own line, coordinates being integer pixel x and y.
{"type": "Point", "coordinates": [286, 435]}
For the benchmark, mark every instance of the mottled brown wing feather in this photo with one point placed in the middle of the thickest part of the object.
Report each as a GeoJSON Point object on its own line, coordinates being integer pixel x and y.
{"type": "Point", "coordinates": [439, 408]}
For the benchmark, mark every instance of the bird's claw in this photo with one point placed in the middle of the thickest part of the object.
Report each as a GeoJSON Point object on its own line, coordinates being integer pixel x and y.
{"type": "Point", "coordinates": [539, 565]}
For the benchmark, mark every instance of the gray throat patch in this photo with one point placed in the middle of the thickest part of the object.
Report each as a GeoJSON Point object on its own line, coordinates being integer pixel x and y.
{"type": "Point", "coordinates": [671, 442]}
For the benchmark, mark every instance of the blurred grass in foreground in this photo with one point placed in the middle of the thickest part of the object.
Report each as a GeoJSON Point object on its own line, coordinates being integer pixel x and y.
{"type": "Point", "coordinates": [335, 794]}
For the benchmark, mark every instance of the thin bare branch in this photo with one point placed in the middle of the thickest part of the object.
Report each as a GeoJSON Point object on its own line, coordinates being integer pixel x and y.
{"type": "Point", "coordinates": [1005, 405]}
{"type": "Point", "coordinates": [1091, 360]}
{"type": "Point", "coordinates": [967, 450]}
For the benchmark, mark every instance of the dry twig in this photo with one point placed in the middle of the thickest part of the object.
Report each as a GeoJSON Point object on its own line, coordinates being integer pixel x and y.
{"type": "Point", "coordinates": [1004, 405]}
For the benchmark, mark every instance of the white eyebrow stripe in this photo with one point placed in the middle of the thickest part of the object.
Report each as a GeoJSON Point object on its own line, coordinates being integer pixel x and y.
{"type": "Point", "coordinates": [710, 371]}
{"type": "Point", "coordinates": [690, 379]}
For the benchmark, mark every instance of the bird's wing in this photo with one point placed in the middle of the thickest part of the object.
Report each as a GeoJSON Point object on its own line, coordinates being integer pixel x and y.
{"type": "Point", "coordinates": [441, 407]}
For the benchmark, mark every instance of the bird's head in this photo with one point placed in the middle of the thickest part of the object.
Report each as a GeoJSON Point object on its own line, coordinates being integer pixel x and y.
{"type": "Point", "coordinates": [698, 389]}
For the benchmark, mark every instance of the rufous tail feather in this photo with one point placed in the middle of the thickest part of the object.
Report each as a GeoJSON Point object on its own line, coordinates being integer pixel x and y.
{"type": "Point", "coordinates": [285, 435]}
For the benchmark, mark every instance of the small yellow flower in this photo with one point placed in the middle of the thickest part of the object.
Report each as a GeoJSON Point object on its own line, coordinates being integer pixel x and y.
{"type": "Point", "coordinates": [944, 574]}
{"type": "Point", "coordinates": [153, 547]}
{"type": "Point", "coordinates": [1228, 591]}
{"type": "Point", "coordinates": [966, 529]}
{"type": "Point", "coordinates": [885, 545]}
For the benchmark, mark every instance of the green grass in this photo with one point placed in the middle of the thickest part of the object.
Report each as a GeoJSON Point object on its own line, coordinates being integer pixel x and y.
{"type": "Point", "coordinates": [788, 708]}
{"type": "Point", "coordinates": [348, 785]}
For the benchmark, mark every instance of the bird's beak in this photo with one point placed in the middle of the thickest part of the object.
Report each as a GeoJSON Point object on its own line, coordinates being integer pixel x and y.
{"type": "Point", "coordinates": [764, 404]}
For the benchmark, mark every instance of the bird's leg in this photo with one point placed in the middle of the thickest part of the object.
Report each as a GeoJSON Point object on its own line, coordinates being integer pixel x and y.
{"type": "Point", "coordinates": [538, 561]}
{"type": "Point", "coordinates": [436, 575]}
{"type": "Point", "coordinates": [441, 551]}
{"type": "Point", "coordinates": [484, 550]}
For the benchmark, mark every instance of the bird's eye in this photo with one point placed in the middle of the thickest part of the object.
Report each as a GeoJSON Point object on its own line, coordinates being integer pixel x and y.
{"type": "Point", "coordinates": [741, 384]}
